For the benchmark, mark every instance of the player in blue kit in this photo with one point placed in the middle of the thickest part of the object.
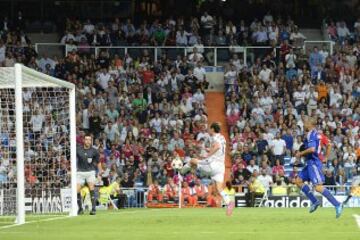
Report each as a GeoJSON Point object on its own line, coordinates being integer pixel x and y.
{"type": "Point", "coordinates": [312, 172]}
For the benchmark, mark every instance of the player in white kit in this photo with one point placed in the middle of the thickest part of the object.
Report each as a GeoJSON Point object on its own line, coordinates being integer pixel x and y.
{"type": "Point", "coordinates": [214, 162]}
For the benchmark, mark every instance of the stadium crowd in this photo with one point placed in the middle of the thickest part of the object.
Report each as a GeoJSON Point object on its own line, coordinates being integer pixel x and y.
{"type": "Point", "coordinates": [140, 113]}
{"type": "Point", "coordinates": [196, 31]}
{"type": "Point", "coordinates": [143, 114]}
{"type": "Point", "coordinates": [267, 100]}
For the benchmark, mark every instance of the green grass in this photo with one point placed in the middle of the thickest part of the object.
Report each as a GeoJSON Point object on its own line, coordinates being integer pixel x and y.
{"type": "Point", "coordinates": [187, 224]}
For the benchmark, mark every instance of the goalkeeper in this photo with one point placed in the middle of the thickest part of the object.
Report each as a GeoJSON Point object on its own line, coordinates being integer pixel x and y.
{"type": "Point", "coordinates": [87, 159]}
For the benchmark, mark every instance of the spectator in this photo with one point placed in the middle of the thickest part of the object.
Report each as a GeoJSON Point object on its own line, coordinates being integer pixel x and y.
{"type": "Point", "coordinates": [3, 173]}
{"type": "Point", "coordinates": [252, 167]}
{"type": "Point", "coordinates": [329, 178]}
{"type": "Point", "coordinates": [2, 53]}
{"type": "Point", "coordinates": [279, 189]}
{"type": "Point", "coordinates": [332, 31]}
{"type": "Point", "coordinates": [256, 190]}
{"type": "Point", "coordinates": [342, 32]}
{"type": "Point", "coordinates": [297, 38]}
{"type": "Point", "coordinates": [265, 179]}
{"type": "Point", "coordinates": [290, 59]}
{"type": "Point", "coordinates": [126, 182]}
{"type": "Point", "coordinates": [315, 60]}
{"type": "Point", "coordinates": [207, 22]}
{"type": "Point", "coordinates": [195, 56]}
{"type": "Point", "coordinates": [278, 169]}
{"type": "Point", "coordinates": [278, 147]}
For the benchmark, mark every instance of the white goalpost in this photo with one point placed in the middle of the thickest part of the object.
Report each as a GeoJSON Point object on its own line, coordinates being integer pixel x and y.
{"type": "Point", "coordinates": [37, 145]}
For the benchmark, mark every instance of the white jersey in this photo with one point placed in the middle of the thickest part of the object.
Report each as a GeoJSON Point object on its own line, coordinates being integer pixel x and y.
{"type": "Point", "coordinates": [219, 156]}
{"type": "Point", "coordinates": [215, 164]}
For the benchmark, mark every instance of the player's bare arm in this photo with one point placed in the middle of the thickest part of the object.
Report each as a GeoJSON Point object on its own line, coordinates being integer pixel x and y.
{"type": "Point", "coordinates": [213, 149]}
{"type": "Point", "coordinates": [328, 151]}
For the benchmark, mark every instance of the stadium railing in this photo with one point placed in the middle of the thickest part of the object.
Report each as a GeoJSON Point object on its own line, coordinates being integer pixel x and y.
{"type": "Point", "coordinates": [328, 45]}
{"type": "Point", "coordinates": [137, 197]}
{"type": "Point", "coordinates": [213, 55]}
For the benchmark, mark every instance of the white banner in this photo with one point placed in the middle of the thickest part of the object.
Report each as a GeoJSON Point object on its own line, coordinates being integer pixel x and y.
{"type": "Point", "coordinates": [353, 202]}
{"type": "Point", "coordinates": [279, 201]}
{"type": "Point", "coordinates": [47, 202]}
{"type": "Point", "coordinates": [287, 202]}
{"type": "Point", "coordinates": [65, 195]}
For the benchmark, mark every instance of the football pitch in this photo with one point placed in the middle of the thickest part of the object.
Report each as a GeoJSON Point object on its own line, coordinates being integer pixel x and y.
{"type": "Point", "coordinates": [187, 224]}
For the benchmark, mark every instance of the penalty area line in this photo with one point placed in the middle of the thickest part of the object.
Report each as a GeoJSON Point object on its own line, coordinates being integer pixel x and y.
{"type": "Point", "coordinates": [35, 221]}
{"type": "Point", "coordinates": [357, 219]}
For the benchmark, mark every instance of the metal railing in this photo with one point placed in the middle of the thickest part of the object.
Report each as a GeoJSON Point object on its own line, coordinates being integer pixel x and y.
{"type": "Point", "coordinates": [133, 197]}
{"type": "Point", "coordinates": [213, 56]}
{"type": "Point", "coordinates": [327, 44]}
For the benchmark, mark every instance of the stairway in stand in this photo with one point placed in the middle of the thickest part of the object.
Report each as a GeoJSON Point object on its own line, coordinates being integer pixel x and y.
{"type": "Point", "coordinates": [215, 103]}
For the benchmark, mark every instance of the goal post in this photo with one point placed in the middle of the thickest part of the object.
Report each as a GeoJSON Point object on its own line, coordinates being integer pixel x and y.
{"type": "Point", "coordinates": [38, 144]}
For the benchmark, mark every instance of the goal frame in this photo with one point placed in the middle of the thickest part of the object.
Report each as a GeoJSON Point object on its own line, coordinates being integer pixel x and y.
{"type": "Point", "coordinates": [44, 81]}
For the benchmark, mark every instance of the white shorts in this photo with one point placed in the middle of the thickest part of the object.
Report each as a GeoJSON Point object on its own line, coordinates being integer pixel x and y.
{"type": "Point", "coordinates": [88, 177]}
{"type": "Point", "coordinates": [216, 170]}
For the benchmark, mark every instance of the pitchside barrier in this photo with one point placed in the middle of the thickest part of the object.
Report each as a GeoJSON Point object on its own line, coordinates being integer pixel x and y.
{"type": "Point", "coordinates": [213, 56]}
{"type": "Point", "coordinates": [60, 201]}
{"type": "Point", "coordinates": [293, 198]}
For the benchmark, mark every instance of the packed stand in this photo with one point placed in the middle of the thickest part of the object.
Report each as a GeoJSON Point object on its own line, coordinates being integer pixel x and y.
{"type": "Point", "coordinates": [206, 30]}
{"type": "Point", "coordinates": [45, 122]}
{"type": "Point", "coordinates": [266, 101]}
{"type": "Point", "coordinates": [141, 113]}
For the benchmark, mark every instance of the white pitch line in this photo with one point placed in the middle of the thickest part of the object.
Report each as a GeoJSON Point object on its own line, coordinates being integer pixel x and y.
{"type": "Point", "coordinates": [36, 221]}
{"type": "Point", "coordinates": [357, 219]}
{"type": "Point", "coordinates": [63, 217]}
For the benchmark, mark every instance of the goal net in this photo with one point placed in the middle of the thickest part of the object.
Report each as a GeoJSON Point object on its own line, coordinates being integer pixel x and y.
{"type": "Point", "coordinates": [37, 146]}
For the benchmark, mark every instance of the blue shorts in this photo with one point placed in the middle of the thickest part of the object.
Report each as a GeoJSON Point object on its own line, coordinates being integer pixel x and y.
{"type": "Point", "coordinates": [312, 172]}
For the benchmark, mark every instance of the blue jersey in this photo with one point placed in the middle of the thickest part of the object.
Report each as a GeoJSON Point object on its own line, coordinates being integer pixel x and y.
{"type": "Point", "coordinates": [313, 140]}
{"type": "Point", "coordinates": [312, 172]}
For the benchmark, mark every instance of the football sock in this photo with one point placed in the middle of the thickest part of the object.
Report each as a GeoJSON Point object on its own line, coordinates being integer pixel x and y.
{"type": "Point", "coordinates": [347, 199]}
{"type": "Point", "coordinates": [79, 202]}
{"type": "Point", "coordinates": [308, 193]}
{"type": "Point", "coordinates": [225, 197]}
{"type": "Point", "coordinates": [93, 200]}
{"type": "Point", "coordinates": [326, 193]}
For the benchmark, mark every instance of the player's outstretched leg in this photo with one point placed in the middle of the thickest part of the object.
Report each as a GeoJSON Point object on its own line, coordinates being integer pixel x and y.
{"type": "Point", "coordinates": [347, 199]}
{"type": "Point", "coordinates": [224, 195]}
{"type": "Point", "coordinates": [189, 166]}
{"type": "Point", "coordinates": [315, 203]}
{"type": "Point", "coordinates": [326, 193]}
{"type": "Point", "coordinates": [231, 196]}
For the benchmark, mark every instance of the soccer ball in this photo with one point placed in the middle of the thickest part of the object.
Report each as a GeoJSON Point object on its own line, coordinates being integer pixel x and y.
{"type": "Point", "coordinates": [177, 163]}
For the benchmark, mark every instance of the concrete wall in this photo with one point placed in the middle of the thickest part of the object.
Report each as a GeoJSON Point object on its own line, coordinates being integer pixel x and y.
{"type": "Point", "coordinates": [215, 76]}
